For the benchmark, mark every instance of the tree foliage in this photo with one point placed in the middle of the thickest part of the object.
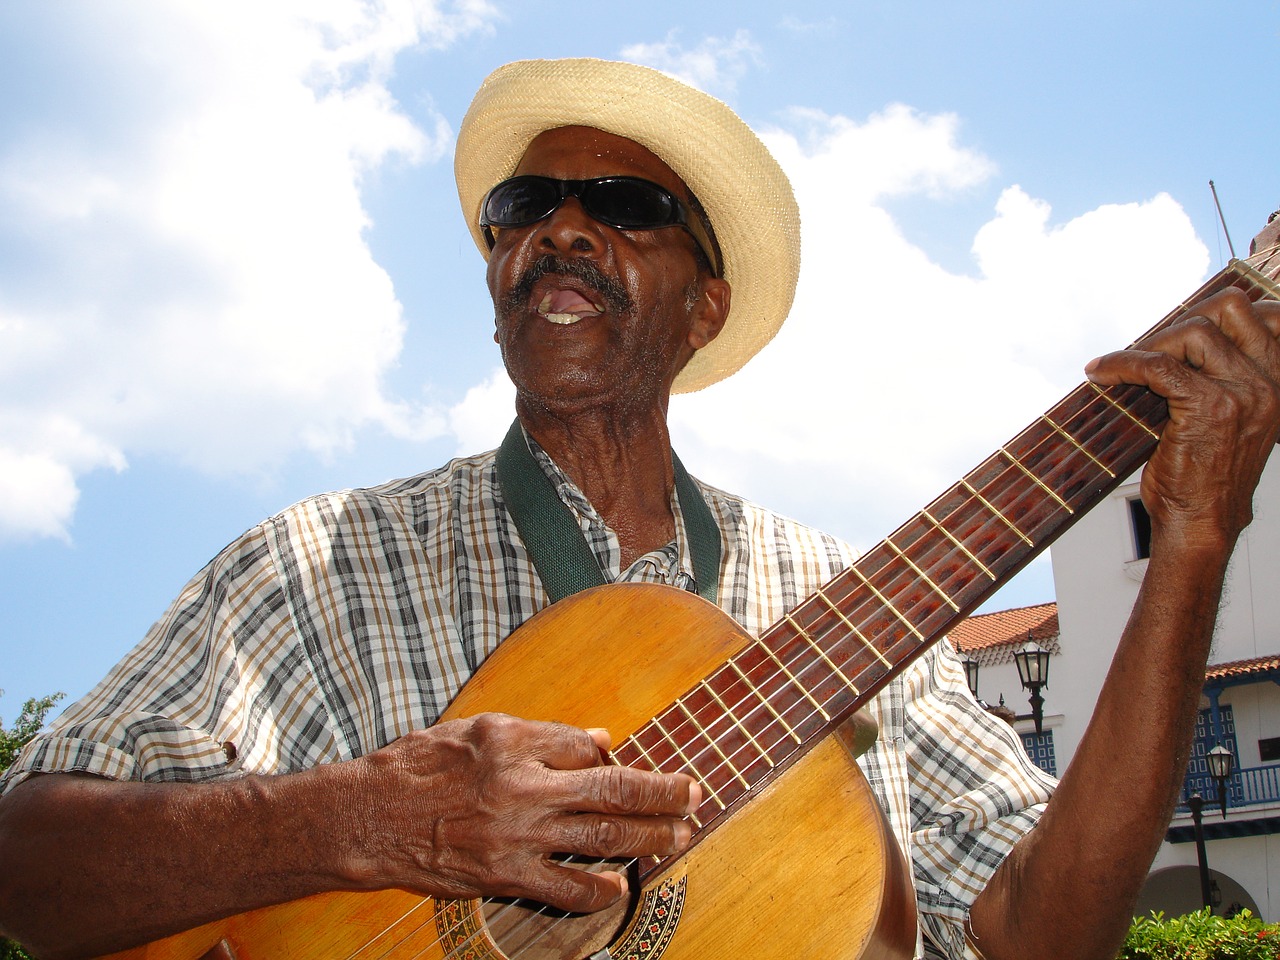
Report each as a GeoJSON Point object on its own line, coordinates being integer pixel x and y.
{"type": "Point", "coordinates": [28, 724]}
{"type": "Point", "coordinates": [1201, 936]}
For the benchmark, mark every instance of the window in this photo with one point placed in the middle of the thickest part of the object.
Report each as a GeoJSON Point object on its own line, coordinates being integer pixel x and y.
{"type": "Point", "coordinates": [1269, 749]}
{"type": "Point", "coordinates": [1140, 523]}
{"type": "Point", "coordinates": [1198, 779]}
{"type": "Point", "coordinates": [1039, 747]}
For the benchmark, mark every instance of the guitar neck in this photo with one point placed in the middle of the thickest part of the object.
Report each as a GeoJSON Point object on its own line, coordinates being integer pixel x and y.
{"type": "Point", "coordinates": [740, 727]}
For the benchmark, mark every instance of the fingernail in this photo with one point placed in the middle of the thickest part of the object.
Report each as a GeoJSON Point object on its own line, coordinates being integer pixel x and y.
{"type": "Point", "coordinates": [695, 798]}
{"type": "Point", "coordinates": [684, 834]}
{"type": "Point", "coordinates": [601, 737]}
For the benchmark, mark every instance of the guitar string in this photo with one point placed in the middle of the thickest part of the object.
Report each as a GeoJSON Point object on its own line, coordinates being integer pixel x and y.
{"type": "Point", "coordinates": [995, 519]}
{"type": "Point", "coordinates": [1075, 448]}
{"type": "Point", "coordinates": [701, 738]}
{"type": "Point", "coordinates": [701, 735]}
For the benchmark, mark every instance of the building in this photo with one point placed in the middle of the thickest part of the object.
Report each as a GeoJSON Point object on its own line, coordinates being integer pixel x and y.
{"type": "Point", "coordinates": [1098, 566]}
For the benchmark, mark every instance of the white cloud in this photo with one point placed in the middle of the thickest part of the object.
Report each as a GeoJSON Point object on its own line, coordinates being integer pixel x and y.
{"type": "Point", "coordinates": [893, 376]}
{"type": "Point", "coordinates": [195, 279]}
{"type": "Point", "coordinates": [481, 419]}
{"type": "Point", "coordinates": [715, 65]}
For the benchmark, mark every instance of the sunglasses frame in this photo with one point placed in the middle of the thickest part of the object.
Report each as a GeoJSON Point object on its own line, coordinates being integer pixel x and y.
{"type": "Point", "coordinates": [680, 213]}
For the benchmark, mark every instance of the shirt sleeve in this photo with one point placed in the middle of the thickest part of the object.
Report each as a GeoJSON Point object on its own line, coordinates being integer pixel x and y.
{"type": "Point", "coordinates": [974, 795]}
{"type": "Point", "coordinates": [218, 686]}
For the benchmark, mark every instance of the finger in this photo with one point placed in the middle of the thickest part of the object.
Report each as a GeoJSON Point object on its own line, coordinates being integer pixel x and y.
{"type": "Point", "coordinates": [563, 747]}
{"type": "Point", "coordinates": [624, 790]}
{"type": "Point", "coordinates": [1269, 312]}
{"type": "Point", "coordinates": [607, 837]}
{"type": "Point", "coordinates": [1159, 372]}
{"type": "Point", "coordinates": [575, 890]}
{"type": "Point", "coordinates": [1251, 327]}
{"type": "Point", "coordinates": [1234, 348]}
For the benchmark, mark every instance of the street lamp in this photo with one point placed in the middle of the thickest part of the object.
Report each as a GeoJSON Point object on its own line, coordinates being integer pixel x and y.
{"type": "Point", "coordinates": [1033, 671]}
{"type": "Point", "coordinates": [971, 675]}
{"type": "Point", "coordinates": [1196, 803]}
{"type": "Point", "coordinates": [1221, 761]}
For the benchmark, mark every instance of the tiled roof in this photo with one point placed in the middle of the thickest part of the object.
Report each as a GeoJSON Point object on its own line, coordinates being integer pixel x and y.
{"type": "Point", "coordinates": [1242, 668]}
{"type": "Point", "coordinates": [994, 637]}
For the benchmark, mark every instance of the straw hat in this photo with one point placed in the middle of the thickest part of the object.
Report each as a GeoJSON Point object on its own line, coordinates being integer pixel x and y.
{"type": "Point", "coordinates": [744, 192]}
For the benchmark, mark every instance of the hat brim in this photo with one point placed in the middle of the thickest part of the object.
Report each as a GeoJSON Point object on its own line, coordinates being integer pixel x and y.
{"type": "Point", "coordinates": [743, 190]}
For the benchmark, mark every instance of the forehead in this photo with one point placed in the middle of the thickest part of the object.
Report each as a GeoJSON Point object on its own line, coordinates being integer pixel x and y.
{"type": "Point", "coordinates": [581, 153]}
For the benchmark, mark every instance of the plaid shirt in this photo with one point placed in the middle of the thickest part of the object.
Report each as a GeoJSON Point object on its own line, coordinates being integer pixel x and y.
{"type": "Point", "coordinates": [353, 618]}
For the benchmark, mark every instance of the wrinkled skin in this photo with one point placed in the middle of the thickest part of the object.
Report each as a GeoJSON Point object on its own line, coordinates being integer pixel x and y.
{"type": "Point", "coordinates": [1218, 367]}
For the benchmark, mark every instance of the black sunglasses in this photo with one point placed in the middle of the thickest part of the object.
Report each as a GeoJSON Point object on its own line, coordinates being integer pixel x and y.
{"type": "Point", "coordinates": [628, 203]}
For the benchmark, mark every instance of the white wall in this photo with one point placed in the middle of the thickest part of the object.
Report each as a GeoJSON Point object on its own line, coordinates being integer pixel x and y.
{"type": "Point", "coordinates": [1096, 579]}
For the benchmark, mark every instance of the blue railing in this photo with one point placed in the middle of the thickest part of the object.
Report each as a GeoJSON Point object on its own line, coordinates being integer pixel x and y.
{"type": "Point", "coordinates": [1247, 787]}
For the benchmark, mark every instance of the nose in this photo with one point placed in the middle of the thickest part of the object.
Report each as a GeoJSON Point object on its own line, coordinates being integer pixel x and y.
{"type": "Point", "coordinates": [569, 230]}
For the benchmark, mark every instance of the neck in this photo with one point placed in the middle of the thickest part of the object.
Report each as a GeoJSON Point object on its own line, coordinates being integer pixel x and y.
{"type": "Point", "coordinates": [620, 460]}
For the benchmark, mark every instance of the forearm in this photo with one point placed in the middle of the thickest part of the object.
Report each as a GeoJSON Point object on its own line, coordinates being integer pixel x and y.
{"type": "Point", "coordinates": [94, 865]}
{"type": "Point", "coordinates": [463, 809]}
{"type": "Point", "coordinates": [1100, 832]}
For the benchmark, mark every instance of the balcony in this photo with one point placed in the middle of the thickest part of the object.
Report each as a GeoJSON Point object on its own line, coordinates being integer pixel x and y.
{"type": "Point", "coordinates": [1247, 787]}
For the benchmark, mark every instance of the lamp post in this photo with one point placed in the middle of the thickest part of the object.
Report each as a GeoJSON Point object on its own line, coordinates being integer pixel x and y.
{"type": "Point", "coordinates": [971, 675]}
{"type": "Point", "coordinates": [1196, 803]}
{"type": "Point", "coordinates": [1033, 671]}
{"type": "Point", "coordinates": [1221, 761]}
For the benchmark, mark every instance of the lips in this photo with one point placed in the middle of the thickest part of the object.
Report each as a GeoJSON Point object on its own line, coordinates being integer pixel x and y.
{"type": "Point", "coordinates": [567, 306]}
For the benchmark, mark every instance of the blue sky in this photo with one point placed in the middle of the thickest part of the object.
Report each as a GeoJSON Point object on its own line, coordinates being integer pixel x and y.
{"type": "Point", "coordinates": [233, 271]}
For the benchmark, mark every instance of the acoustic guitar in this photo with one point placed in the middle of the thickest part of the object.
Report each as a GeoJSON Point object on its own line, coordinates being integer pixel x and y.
{"type": "Point", "coordinates": [791, 855]}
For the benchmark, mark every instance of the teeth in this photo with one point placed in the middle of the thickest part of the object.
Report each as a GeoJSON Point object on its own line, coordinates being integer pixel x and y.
{"type": "Point", "coordinates": [563, 318]}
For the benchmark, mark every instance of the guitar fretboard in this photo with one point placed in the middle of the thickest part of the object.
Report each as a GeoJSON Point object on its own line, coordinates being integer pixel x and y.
{"type": "Point", "coordinates": [740, 727]}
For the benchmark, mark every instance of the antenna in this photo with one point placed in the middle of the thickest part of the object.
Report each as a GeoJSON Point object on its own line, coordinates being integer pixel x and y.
{"type": "Point", "coordinates": [1222, 220]}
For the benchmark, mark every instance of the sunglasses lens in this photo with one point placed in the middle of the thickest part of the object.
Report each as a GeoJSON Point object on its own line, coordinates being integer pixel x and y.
{"type": "Point", "coordinates": [520, 201]}
{"type": "Point", "coordinates": [630, 203]}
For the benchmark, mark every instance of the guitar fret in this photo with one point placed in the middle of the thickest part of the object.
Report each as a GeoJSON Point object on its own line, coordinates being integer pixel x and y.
{"type": "Point", "coordinates": [960, 546]}
{"type": "Point", "coordinates": [986, 503]}
{"type": "Point", "coordinates": [921, 574]}
{"type": "Point", "coordinates": [1072, 440]}
{"type": "Point", "coordinates": [796, 683]}
{"type": "Point", "coordinates": [821, 653]}
{"type": "Point", "coordinates": [1105, 396]}
{"type": "Point", "coordinates": [852, 629]}
{"type": "Point", "coordinates": [763, 699]}
{"type": "Point", "coordinates": [885, 601]}
{"type": "Point", "coordinates": [714, 745]}
{"type": "Point", "coordinates": [649, 760]}
{"type": "Point", "coordinates": [737, 723]}
{"type": "Point", "coordinates": [689, 763]}
{"type": "Point", "coordinates": [1038, 482]}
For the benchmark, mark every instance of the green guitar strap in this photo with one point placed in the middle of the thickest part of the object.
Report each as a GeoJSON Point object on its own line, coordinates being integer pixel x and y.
{"type": "Point", "coordinates": [556, 545]}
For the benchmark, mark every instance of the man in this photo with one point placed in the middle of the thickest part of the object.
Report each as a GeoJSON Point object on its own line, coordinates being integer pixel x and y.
{"type": "Point", "coordinates": [299, 677]}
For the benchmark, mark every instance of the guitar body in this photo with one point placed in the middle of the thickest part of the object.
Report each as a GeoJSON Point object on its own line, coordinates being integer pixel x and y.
{"type": "Point", "coordinates": [807, 868]}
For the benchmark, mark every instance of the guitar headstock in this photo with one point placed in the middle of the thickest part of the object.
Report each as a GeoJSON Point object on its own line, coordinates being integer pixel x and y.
{"type": "Point", "coordinates": [1264, 250]}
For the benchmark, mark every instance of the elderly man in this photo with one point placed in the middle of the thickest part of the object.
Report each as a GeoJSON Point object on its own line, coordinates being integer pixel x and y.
{"type": "Point", "coordinates": [276, 734]}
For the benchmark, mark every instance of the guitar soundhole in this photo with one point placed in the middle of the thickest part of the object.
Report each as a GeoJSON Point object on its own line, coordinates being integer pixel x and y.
{"type": "Point", "coordinates": [525, 930]}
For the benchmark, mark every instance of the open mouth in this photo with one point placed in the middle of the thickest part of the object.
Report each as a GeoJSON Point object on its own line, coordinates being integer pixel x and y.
{"type": "Point", "coordinates": [567, 306]}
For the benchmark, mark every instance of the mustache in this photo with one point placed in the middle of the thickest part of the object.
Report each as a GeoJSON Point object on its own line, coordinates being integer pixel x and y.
{"type": "Point", "coordinates": [579, 268]}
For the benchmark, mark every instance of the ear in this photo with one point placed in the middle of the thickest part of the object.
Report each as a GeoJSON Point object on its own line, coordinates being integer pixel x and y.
{"type": "Point", "coordinates": [710, 312]}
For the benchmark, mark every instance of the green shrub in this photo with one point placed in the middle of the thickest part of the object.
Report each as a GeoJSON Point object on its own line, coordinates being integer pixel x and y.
{"type": "Point", "coordinates": [1201, 936]}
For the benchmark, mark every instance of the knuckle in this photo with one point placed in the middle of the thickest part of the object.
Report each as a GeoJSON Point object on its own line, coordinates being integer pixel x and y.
{"type": "Point", "coordinates": [572, 890]}
{"type": "Point", "coordinates": [620, 790]}
{"type": "Point", "coordinates": [604, 836]}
